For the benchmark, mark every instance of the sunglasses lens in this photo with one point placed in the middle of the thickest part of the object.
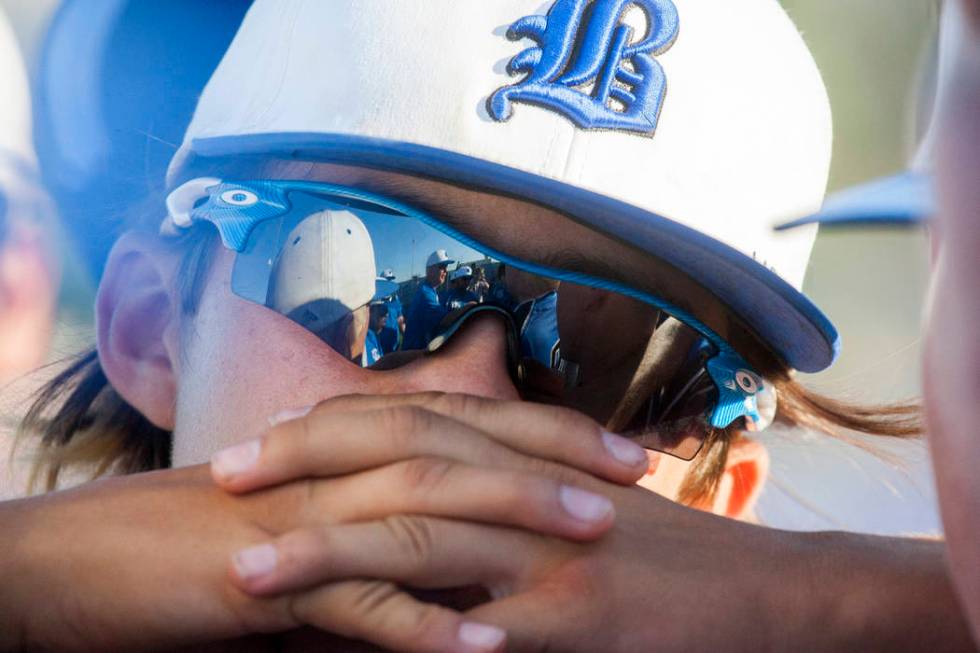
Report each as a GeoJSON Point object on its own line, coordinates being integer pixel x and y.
{"type": "Point", "coordinates": [318, 264]}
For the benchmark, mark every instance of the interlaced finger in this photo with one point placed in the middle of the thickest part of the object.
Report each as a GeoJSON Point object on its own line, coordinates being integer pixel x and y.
{"type": "Point", "coordinates": [444, 488]}
{"type": "Point", "coordinates": [546, 432]}
{"type": "Point", "coordinates": [382, 613]}
{"type": "Point", "coordinates": [350, 434]}
{"type": "Point", "coordinates": [423, 552]}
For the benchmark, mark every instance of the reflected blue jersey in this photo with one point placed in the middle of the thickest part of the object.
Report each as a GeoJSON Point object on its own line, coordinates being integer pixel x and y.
{"type": "Point", "coordinates": [423, 315]}
{"type": "Point", "coordinates": [459, 298]}
{"type": "Point", "coordinates": [539, 331]}
{"type": "Point", "coordinates": [390, 333]}
{"type": "Point", "coordinates": [372, 349]}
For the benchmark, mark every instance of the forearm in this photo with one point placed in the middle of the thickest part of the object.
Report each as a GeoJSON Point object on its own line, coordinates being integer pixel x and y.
{"type": "Point", "coordinates": [18, 583]}
{"type": "Point", "coordinates": [859, 593]}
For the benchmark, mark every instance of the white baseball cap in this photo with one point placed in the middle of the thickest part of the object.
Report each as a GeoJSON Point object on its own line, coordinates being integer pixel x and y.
{"type": "Point", "coordinates": [461, 272]}
{"type": "Point", "coordinates": [438, 257]}
{"type": "Point", "coordinates": [328, 255]}
{"type": "Point", "coordinates": [687, 128]}
{"type": "Point", "coordinates": [388, 274]}
{"type": "Point", "coordinates": [16, 148]}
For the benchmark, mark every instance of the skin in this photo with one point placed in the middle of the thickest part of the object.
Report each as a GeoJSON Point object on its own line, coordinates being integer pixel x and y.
{"type": "Point", "coordinates": [524, 286]}
{"type": "Point", "coordinates": [951, 363]}
{"type": "Point", "coordinates": [424, 510]}
{"type": "Point", "coordinates": [435, 275]}
{"type": "Point", "coordinates": [190, 378]}
{"type": "Point", "coordinates": [298, 490]}
{"type": "Point", "coordinates": [141, 531]}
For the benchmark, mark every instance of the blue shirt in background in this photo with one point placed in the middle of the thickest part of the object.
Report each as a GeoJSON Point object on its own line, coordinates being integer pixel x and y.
{"type": "Point", "coordinates": [500, 296]}
{"type": "Point", "coordinates": [372, 349]}
{"type": "Point", "coordinates": [539, 332]}
{"type": "Point", "coordinates": [423, 315]}
{"type": "Point", "coordinates": [390, 333]}
{"type": "Point", "coordinates": [459, 298]}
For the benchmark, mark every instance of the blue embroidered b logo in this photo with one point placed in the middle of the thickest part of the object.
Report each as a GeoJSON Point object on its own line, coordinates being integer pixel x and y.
{"type": "Point", "coordinates": [586, 68]}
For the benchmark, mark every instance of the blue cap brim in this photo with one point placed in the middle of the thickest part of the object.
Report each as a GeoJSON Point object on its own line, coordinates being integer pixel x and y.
{"type": "Point", "coordinates": [904, 199]}
{"type": "Point", "coordinates": [781, 316]}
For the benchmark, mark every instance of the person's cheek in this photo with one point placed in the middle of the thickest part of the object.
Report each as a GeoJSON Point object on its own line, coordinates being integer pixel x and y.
{"type": "Point", "coordinates": [243, 364]}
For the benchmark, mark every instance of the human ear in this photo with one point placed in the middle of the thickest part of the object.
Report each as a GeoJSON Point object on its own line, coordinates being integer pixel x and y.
{"type": "Point", "coordinates": [136, 326]}
{"type": "Point", "coordinates": [741, 483]}
{"type": "Point", "coordinates": [28, 286]}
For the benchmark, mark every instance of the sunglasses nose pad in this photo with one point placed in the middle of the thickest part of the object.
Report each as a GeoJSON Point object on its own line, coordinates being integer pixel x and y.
{"type": "Point", "coordinates": [453, 323]}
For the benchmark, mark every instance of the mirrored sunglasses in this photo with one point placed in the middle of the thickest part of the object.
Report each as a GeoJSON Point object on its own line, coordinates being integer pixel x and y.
{"type": "Point", "coordinates": [313, 251]}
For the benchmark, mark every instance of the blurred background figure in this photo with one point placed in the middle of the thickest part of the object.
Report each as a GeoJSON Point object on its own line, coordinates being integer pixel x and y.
{"type": "Point", "coordinates": [427, 308]}
{"type": "Point", "coordinates": [942, 187]}
{"type": "Point", "coordinates": [28, 270]}
{"type": "Point", "coordinates": [376, 322]}
{"type": "Point", "coordinates": [114, 85]}
{"type": "Point", "coordinates": [117, 82]}
{"type": "Point", "coordinates": [28, 275]}
{"type": "Point", "coordinates": [499, 295]}
{"type": "Point", "coordinates": [391, 333]}
{"type": "Point", "coordinates": [480, 286]}
{"type": "Point", "coordinates": [459, 294]}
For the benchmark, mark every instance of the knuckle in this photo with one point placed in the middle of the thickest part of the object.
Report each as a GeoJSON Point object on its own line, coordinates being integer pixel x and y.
{"type": "Point", "coordinates": [458, 404]}
{"type": "Point", "coordinates": [426, 475]}
{"type": "Point", "coordinates": [289, 443]}
{"type": "Point", "coordinates": [339, 403]}
{"type": "Point", "coordinates": [405, 421]}
{"type": "Point", "coordinates": [304, 547]}
{"type": "Point", "coordinates": [554, 471]}
{"type": "Point", "coordinates": [572, 422]}
{"type": "Point", "coordinates": [425, 625]}
{"type": "Point", "coordinates": [373, 600]}
{"type": "Point", "coordinates": [413, 537]}
{"type": "Point", "coordinates": [301, 500]}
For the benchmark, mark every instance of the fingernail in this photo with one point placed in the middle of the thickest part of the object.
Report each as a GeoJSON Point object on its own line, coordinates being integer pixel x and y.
{"type": "Point", "coordinates": [237, 459]}
{"type": "Point", "coordinates": [627, 452]}
{"type": "Point", "coordinates": [583, 505]}
{"type": "Point", "coordinates": [481, 636]}
{"type": "Point", "coordinates": [255, 561]}
{"type": "Point", "coordinates": [289, 414]}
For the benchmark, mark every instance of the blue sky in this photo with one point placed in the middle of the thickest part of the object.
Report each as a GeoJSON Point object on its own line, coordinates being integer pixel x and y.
{"type": "Point", "coordinates": [404, 244]}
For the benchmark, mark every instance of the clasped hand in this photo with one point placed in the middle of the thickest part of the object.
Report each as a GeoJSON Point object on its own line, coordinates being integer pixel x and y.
{"type": "Point", "coordinates": [327, 521]}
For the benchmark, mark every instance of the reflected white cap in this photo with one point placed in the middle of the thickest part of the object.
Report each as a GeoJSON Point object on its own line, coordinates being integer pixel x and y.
{"type": "Point", "coordinates": [438, 257]}
{"type": "Point", "coordinates": [326, 266]}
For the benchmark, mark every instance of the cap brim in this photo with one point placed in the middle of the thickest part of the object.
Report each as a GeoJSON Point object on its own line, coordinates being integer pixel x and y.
{"type": "Point", "coordinates": [903, 199]}
{"type": "Point", "coordinates": [782, 317]}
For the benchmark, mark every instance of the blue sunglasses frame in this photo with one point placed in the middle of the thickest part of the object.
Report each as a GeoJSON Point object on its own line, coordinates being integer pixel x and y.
{"type": "Point", "coordinates": [243, 213]}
